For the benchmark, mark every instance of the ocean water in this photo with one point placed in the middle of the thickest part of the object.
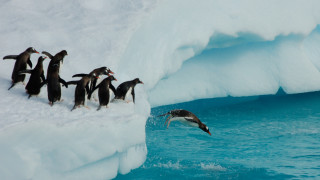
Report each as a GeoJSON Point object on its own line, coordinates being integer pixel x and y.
{"type": "Point", "coordinates": [266, 137]}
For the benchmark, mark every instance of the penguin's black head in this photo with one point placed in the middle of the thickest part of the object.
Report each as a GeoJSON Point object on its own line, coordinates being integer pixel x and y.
{"type": "Point", "coordinates": [112, 78]}
{"type": "Point", "coordinates": [31, 50]}
{"type": "Point", "coordinates": [137, 81]}
{"type": "Point", "coordinates": [204, 128]}
{"type": "Point", "coordinates": [41, 58]}
{"type": "Point", "coordinates": [108, 72]}
{"type": "Point", "coordinates": [94, 76]}
{"type": "Point", "coordinates": [63, 53]}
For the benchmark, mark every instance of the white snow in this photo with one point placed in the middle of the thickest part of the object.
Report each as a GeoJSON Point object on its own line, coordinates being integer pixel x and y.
{"type": "Point", "coordinates": [42, 142]}
{"type": "Point", "coordinates": [218, 48]}
{"type": "Point", "coordinates": [181, 50]}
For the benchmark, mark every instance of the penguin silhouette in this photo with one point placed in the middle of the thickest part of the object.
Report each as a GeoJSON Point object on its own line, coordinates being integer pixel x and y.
{"type": "Point", "coordinates": [126, 88]}
{"type": "Point", "coordinates": [81, 90]}
{"type": "Point", "coordinates": [104, 91]}
{"type": "Point", "coordinates": [53, 78]}
{"type": "Point", "coordinates": [21, 64]}
{"type": "Point", "coordinates": [98, 71]}
{"type": "Point", "coordinates": [37, 77]}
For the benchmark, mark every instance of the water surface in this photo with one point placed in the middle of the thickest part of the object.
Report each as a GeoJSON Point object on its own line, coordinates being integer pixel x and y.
{"type": "Point", "coordinates": [268, 137]}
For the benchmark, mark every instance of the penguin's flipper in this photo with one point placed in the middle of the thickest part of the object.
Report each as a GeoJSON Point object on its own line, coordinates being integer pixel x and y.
{"type": "Point", "coordinates": [190, 119]}
{"type": "Point", "coordinates": [74, 107]}
{"type": "Point", "coordinates": [13, 84]}
{"type": "Point", "coordinates": [47, 54]}
{"type": "Point", "coordinates": [163, 114]}
{"type": "Point", "coordinates": [95, 88]}
{"type": "Point", "coordinates": [113, 89]}
{"type": "Point", "coordinates": [87, 88]}
{"type": "Point", "coordinates": [27, 71]}
{"type": "Point", "coordinates": [92, 86]}
{"type": "Point", "coordinates": [80, 75]}
{"type": "Point", "coordinates": [72, 82]}
{"type": "Point", "coordinates": [169, 117]}
{"type": "Point", "coordinates": [42, 77]}
{"type": "Point", "coordinates": [14, 57]}
{"type": "Point", "coordinates": [29, 62]}
{"type": "Point", "coordinates": [133, 96]}
{"type": "Point", "coordinates": [43, 83]}
{"type": "Point", "coordinates": [63, 82]}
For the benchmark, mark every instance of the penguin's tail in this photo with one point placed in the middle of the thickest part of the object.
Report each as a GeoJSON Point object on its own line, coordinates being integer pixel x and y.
{"type": "Point", "coordinates": [164, 114]}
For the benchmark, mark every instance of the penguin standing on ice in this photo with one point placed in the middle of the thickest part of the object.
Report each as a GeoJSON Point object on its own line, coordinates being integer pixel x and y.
{"type": "Point", "coordinates": [98, 71]}
{"type": "Point", "coordinates": [21, 64]}
{"type": "Point", "coordinates": [81, 89]}
{"type": "Point", "coordinates": [53, 78]}
{"type": "Point", "coordinates": [126, 88]}
{"type": "Point", "coordinates": [37, 77]}
{"type": "Point", "coordinates": [104, 91]}
{"type": "Point", "coordinates": [186, 117]}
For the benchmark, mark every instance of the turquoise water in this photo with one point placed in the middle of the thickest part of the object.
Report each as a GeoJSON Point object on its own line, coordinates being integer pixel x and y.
{"type": "Point", "coordinates": [268, 137]}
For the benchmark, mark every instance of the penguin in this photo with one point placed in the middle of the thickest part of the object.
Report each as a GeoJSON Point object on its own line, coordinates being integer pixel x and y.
{"type": "Point", "coordinates": [104, 92]}
{"type": "Point", "coordinates": [186, 117]}
{"type": "Point", "coordinates": [21, 64]}
{"type": "Point", "coordinates": [37, 77]}
{"type": "Point", "coordinates": [98, 71]}
{"type": "Point", "coordinates": [53, 78]}
{"type": "Point", "coordinates": [56, 58]}
{"type": "Point", "coordinates": [126, 88]}
{"type": "Point", "coordinates": [81, 89]}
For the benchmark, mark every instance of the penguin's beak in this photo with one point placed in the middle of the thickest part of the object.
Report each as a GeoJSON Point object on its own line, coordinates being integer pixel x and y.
{"type": "Point", "coordinates": [115, 79]}
{"type": "Point", "coordinates": [37, 52]}
{"type": "Point", "coordinates": [141, 82]}
{"type": "Point", "coordinates": [209, 133]}
{"type": "Point", "coordinates": [110, 72]}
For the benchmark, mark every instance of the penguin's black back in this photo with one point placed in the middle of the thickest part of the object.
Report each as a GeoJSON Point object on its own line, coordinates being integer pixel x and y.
{"type": "Point", "coordinates": [123, 88]}
{"type": "Point", "coordinates": [53, 84]}
{"type": "Point", "coordinates": [104, 92]}
{"type": "Point", "coordinates": [34, 84]}
{"type": "Point", "coordinates": [20, 65]}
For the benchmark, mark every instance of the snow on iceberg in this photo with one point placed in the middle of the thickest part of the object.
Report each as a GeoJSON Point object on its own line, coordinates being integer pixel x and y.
{"type": "Point", "coordinates": [212, 49]}
{"type": "Point", "coordinates": [42, 142]}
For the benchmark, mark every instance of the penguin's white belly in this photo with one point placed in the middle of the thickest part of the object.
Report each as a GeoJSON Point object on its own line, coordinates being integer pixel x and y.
{"type": "Point", "coordinates": [184, 121]}
{"type": "Point", "coordinates": [128, 93]}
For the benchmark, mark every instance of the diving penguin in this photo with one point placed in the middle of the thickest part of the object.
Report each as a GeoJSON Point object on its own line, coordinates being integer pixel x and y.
{"type": "Point", "coordinates": [186, 117]}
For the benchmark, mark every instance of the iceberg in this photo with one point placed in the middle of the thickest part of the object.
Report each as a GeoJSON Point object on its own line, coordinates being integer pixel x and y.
{"type": "Point", "coordinates": [182, 51]}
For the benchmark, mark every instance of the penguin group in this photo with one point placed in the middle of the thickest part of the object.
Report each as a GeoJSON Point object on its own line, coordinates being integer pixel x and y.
{"type": "Point", "coordinates": [85, 87]}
